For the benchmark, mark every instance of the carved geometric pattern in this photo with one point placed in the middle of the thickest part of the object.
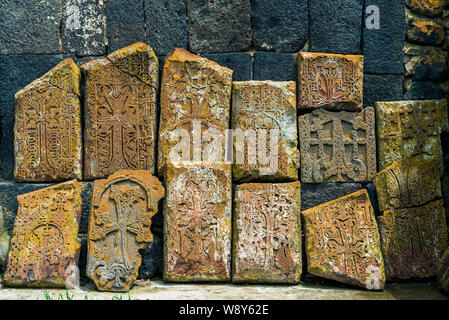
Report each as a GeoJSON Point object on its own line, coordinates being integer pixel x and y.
{"type": "Point", "coordinates": [119, 226]}
{"type": "Point", "coordinates": [48, 126]}
{"type": "Point", "coordinates": [197, 219]}
{"type": "Point", "coordinates": [337, 146]}
{"type": "Point", "coordinates": [44, 246]}
{"type": "Point", "coordinates": [267, 233]}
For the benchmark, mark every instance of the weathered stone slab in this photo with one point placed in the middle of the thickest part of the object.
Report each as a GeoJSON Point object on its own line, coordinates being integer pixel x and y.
{"type": "Point", "coordinates": [382, 88]}
{"type": "Point", "coordinates": [342, 242]}
{"type": "Point", "coordinates": [314, 194]}
{"type": "Point", "coordinates": [240, 62]}
{"type": "Point", "coordinates": [195, 97]}
{"type": "Point", "coordinates": [424, 31]}
{"type": "Point", "coordinates": [275, 66]}
{"type": "Point", "coordinates": [119, 226]}
{"type": "Point", "coordinates": [413, 240]}
{"type": "Point", "coordinates": [428, 8]}
{"type": "Point", "coordinates": [331, 81]}
{"type": "Point", "coordinates": [219, 25]}
{"type": "Point", "coordinates": [120, 117]}
{"type": "Point", "coordinates": [197, 222]}
{"type": "Point", "coordinates": [44, 247]}
{"type": "Point", "coordinates": [409, 128]}
{"type": "Point", "coordinates": [409, 182]}
{"type": "Point", "coordinates": [443, 272]}
{"type": "Point", "coordinates": [337, 146]}
{"type": "Point", "coordinates": [265, 129]}
{"type": "Point", "coordinates": [267, 233]}
{"type": "Point", "coordinates": [47, 140]}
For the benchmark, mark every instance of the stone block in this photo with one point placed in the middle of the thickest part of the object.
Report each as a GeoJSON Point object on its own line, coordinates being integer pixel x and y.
{"type": "Point", "coordinates": [279, 27]}
{"type": "Point", "coordinates": [240, 62]}
{"type": "Point", "coordinates": [44, 248]}
{"type": "Point", "coordinates": [121, 110]}
{"type": "Point", "coordinates": [219, 25]}
{"type": "Point", "coordinates": [423, 90]}
{"type": "Point", "coordinates": [267, 233]}
{"type": "Point", "coordinates": [119, 226]}
{"type": "Point", "coordinates": [428, 8]}
{"type": "Point", "coordinates": [265, 130]}
{"type": "Point", "coordinates": [424, 31]}
{"type": "Point", "coordinates": [195, 106]}
{"type": "Point", "coordinates": [342, 242]}
{"type": "Point", "coordinates": [314, 194]}
{"type": "Point", "coordinates": [337, 146]}
{"type": "Point", "coordinates": [330, 81]}
{"type": "Point", "coordinates": [381, 88]}
{"type": "Point", "coordinates": [197, 222]}
{"type": "Point", "coordinates": [409, 128]}
{"type": "Point", "coordinates": [443, 272]}
{"type": "Point", "coordinates": [275, 66]}
{"type": "Point", "coordinates": [47, 132]}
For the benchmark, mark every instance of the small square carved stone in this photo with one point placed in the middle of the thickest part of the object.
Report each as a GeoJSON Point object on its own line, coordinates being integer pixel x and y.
{"type": "Point", "coordinates": [337, 146]}
{"type": "Point", "coordinates": [197, 222]}
{"type": "Point", "coordinates": [342, 242]}
{"type": "Point", "coordinates": [267, 233]}
{"type": "Point", "coordinates": [120, 117]}
{"type": "Point", "coordinates": [265, 129]}
{"type": "Point", "coordinates": [47, 140]}
{"type": "Point", "coordinates": [44, 248]}
{"type": "Point", "coordinates": [331, 81]}
{"type": "Point", "coordinates": [410, 128]}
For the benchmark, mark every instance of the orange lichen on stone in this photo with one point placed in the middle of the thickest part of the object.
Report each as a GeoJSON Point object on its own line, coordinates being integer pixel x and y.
{"type": "Point", "coordinates": [412, 225]}
{"type": "Point", "coordinates": [265, 131]}
{"type": "Point", "coordinates": [197, 222]}
{"type": "Point", "coordinates": [44, 248]}
{"type": "Point", "coordinates": [195, 93]}
{"type": "Point", "coordinates": [331, 81]}
{"type": "Point", "coordinates": [119, 226]}
{"type": "Point", "coordinates": [342, 242]}
{"type": "Point", "coordinates": [121, 111]}
{"type": "Point", "coordinates": [47, 131]}
{"type": "Point", "coordinates": [427, 7]}
{"type": "Point", "coordinates": [267, 233]}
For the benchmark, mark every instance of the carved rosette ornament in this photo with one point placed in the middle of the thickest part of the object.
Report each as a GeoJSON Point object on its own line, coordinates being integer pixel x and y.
{"type": "Point", "coordinates": [119, 226]}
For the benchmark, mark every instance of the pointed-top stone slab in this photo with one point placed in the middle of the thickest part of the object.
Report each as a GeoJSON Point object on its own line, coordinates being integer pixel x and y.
{"type": "Point", "coordinates": [44, 248]}
{"type": "Point", "coordinates": [120, 112]}
{"type": "Point", "coordinates": [119, 226]}
{"type": "Point", "coordinates": [47, 131]}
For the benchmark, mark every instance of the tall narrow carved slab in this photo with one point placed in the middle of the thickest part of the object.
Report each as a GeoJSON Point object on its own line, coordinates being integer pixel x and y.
{"type": "Point", "coordinates": [413, 225]}
{"type": "Point", "coordinates": [47, 140]}
{"type": "Point", "coordinates": [195, 97]}
{"type": "Point", "coordinates": [120, 116]}
{"type": "Point", "coordinates": [331, 81]}
{"type": "Point", "coordinates": [44, 248]}
{"type": "Point", "coordinates": [265, 129]}
{"type": "Point", "coordinates": [197, 222]}
{"type": "Point", "coordinates": [267, 233]}
{"type": "Point", "coordinates": [443, 272]}
{"type": "Point", "coordinates": [408, 129]}
{"type": "Point", "coordinates": [342, 242]}
{"type": "Point", "coordinates": [337, 146]}
{"type": "Point", "coordinates": [119, 226]}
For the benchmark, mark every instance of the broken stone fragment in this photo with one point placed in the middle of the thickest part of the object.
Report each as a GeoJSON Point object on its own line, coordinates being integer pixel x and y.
{"type": "Point", "coordinates": [119, 226]}
{"type": "Point", "coordinates": [47, 131]}
{"type": "Point", "coordinates": [195, 109]}
{"type": "Point", "coordinates": [265, 131]}
{"type": "Point", "coordinates": [337, 146]}
{"type": "Point", "coordinates": [197, 222]}
{"type": "Point", "coordinates": [267, 233]}
{"type": "Point", "coordinates": [331, 81]}
{"type": "Point", "coordinates": [44, 249]}
{"type": "Point", "coordinates": [121, 110]}
{"type": "Point", "coordinates": [342, 242]}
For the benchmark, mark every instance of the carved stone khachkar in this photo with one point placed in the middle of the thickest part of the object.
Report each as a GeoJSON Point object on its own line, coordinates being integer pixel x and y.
{"type": "Point", "coordinates": [337, 146]}
{"type": "Point", "coordinates": [331, 81]}
{"type": "Point", "coordinates": [47, 141]}
{"type": "Point", "coordinates": [266, 145]}
{"type": "Point", "coordinates": [119, 226]}
{"type": "Point", "coordinates": [443, 272]}
{"type": "Point", "coordinates": [408, 129]}
{"type": "Point", "coordinates": [412, 226]}
{"type": "Point", "coordinates": [267, 233]}
{"type": "Point", "coordinates": [195, 97]}
{"type": "Point", "coordinates": [197, 222]}
{"type": "Point", "coordinates": [120, 117]}
{"type": "Point", "coordinates": [342, 242]}
{"type": "Point", "coordinates": [44, 248]}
